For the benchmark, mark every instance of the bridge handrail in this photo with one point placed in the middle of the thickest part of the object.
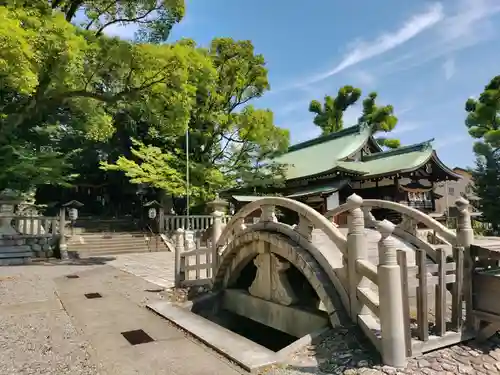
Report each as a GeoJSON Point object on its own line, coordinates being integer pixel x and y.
{"type": "Point", "coordinates": [405, 210]}
{"type": "Point", "coordinates": [318, 221]}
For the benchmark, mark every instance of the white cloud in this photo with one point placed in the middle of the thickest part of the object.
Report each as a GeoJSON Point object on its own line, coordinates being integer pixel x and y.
{"type": "Point", "coordinates": [294, 106]}
{"type": "Point", "coordinates": [466, 24]}
{"type": "Point", "coordinates": [363, 78]}
{"type": "Point", "coordinates": [365, 50]}
{"type": "Point", "coordinates": [449, 68]}
{"type": "Point", "coordinates": [449, 141]}
{"type": "Point", "coordinates": [466, 19]}
{"type": "Point", "coordinates": [407, 127]}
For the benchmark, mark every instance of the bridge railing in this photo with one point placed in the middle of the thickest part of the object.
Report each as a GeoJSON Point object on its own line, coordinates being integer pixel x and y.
{"type": "Point", "coordinates": [396, 280]}
{"type": "Point", "coordinates": [195, 223]}
{"type": "Point", "coordinates": [378, 295]}
{"type": "Point", "coordinates": [193, 259]}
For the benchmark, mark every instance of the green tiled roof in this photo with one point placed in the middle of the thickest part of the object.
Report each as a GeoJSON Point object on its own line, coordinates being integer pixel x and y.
{"type": "Point", "coordinates": [328, 153]}
{"type": "Point", "coordinates": [322, 189]}
{"type": "Point", "coordinates": [321, 154]}
{"type": "Point", "coordinates": [246, 198]}
{"type": "Point", "coordinates": [399, 160]}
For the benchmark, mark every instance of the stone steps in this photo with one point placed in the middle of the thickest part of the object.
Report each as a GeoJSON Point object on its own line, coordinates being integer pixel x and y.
{"type": "Point", "coordinates": [15, 249]}
{"type": "Point", "coordinates": [18, 249]}
{"type": "Point", "coordinates": [15, 255]}
{"type": "Point", "coordinates": [98, 244]}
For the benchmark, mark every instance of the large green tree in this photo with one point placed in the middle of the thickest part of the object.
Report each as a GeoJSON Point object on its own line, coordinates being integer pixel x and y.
{"type": "Point", "coordinates": [483, 123]}
{"type": "Point", "coordinates": [329, 116]}
{"type": "Point", "coordinates": [60, 80]}
{"type": "Point", "coordinates": [381, 119]}
{"type": "Point", "coordinates": [229, 139]}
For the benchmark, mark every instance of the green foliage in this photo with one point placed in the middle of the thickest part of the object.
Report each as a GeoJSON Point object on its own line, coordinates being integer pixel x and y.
{"type": "Point", "coordinates": [483, 119]}
{"type": "Point", "coordinates": [487, 187]}
{"type": "Point", "coordinates": [380, 119]}
{"type": "Point", "coordinates": [229, 140]}
{"type": "Point", "coordinates": [61, 82]}
{"type": "Point", "coordinates": [483, 123]}
{"type": "Point", "coordinates": [126, 106]}
{"type": "Point", "coordinates": [329, 117]}
{"type": "Point", "coordinates": [154, 167]}
{"type": "Point", "coordinates": [32, 167]}
{"type": "Point", "coordinates": [155, 18]}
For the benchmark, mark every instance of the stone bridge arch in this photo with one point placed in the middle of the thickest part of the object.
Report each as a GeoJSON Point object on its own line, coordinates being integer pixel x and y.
{"type": "Point", "coordinates": [279, 245]}
{"type": "Point", "coordinates": [373, 291]}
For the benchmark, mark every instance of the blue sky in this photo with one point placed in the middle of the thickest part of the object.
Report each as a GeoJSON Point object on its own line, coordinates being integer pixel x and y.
{"type": "Point", "coordinates": [425, 58]}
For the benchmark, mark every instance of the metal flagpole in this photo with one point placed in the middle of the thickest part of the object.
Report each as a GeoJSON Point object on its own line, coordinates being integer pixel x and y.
{"type": "Point", "coordinates": [187, 179]}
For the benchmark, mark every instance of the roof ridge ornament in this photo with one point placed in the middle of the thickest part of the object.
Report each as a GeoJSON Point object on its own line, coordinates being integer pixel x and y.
{"type": "Point", "coordinates": [364, 126]}
{"type": "Point", "coordinates": [427, 144]}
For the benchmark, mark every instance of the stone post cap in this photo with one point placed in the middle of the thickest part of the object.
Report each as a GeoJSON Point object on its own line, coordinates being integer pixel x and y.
{"type": "Point", "coordinates": [354, 200]}
{"type": "Point", "coordinates": [217, 213]}
{"type": "Point", "coordinates": [385, 228]}
{"type": "Point", "coordinates": [461, 203]}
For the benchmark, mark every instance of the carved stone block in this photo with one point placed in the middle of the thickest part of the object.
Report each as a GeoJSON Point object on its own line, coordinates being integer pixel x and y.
{"type": "Point", "coordinates": [270, 281]}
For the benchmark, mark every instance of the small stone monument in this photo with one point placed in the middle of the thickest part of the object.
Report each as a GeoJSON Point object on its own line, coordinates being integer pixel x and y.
{"type": "Point", "coordinates": [8, 201]}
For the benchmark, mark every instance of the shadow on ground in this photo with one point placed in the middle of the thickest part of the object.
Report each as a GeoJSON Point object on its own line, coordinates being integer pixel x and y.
{"type": "Point", "coordinates": [75, 261]}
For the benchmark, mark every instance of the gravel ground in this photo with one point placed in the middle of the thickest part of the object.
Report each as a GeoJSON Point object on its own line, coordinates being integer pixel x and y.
{"type": "Point", "coordinates": [37, 336]}
{"type": "Point", "coordinates": [42, 343]}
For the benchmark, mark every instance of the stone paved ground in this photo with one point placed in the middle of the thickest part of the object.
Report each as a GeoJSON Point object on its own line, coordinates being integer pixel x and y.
{"type": "Point", "coordinates": [37, 337]}
{"type": "Point", "coordinates": [344, 351]}
{"type": "Point", "coordinates": [157, 268]}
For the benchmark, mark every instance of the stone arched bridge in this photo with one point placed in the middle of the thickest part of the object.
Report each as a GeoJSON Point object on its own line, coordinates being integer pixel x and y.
{"type": "Point", "coordinates": [374, 273]}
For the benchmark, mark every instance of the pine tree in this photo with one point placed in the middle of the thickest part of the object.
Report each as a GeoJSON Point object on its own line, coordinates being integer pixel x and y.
{"type": "Point", "coordinates": [487, 187]}
{"type": "Point", "coordinates": [483, 123]}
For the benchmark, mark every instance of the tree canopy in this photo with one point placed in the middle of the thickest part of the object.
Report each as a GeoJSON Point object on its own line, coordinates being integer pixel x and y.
{"type": "Point", "coordinates": [59, 79]}
{"type": "Point", "coordinates": [381, 119]}
{"type": "Point", "coordinates": [483, 119]}
{"type": "Point", "coordinates": [228, 139]}
{"type": "Point", "coordinates": [329, 116]}
{"type": "Point", "coordinates": [72, 98]}
{"type": "Point", "coordinates": [483, 123]}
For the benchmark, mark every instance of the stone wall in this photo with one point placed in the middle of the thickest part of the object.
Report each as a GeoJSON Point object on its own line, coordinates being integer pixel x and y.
{"type": "Point", "coordinates": [42, 245]}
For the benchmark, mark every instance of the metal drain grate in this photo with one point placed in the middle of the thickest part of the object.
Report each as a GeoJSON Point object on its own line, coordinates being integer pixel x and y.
{"type": "Point", "coordinates": [92, 295]}
{"type": "Point", "coordinates": [137, 337]}
{"type": "Point", "coordinates": [72, 276]}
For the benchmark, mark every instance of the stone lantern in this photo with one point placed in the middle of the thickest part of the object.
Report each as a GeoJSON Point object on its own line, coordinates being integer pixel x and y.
{"type": "Point", "coordinates": [8, 201]}
{"type": "Point", "coordinates": [218, 204]}
{"type": "Point", "coordinates": [72, 208]}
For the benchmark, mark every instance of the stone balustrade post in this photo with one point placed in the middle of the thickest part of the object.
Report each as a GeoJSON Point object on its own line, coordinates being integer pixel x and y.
{"type": "Point", "coordinates": [268, 213]}
{"type": "Point", "coordinates": [63, 247]}
{"type": "Point", "coordinates": [465, 237]}
{"type": "Point", "coordinates": [240, 225]}
{"type": "Point", "coordinates": [189, 243]}
{"type": "Point", "coordinates": [390, 299]}
{"type": "Point", "coordinates": [179, 248]}
{"type": "Point", "coordinates": [368, 216]}
{"type": "Point", "coordinates": [356, 249]}
{"type": "Point", "coordinates": [216, 233]}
